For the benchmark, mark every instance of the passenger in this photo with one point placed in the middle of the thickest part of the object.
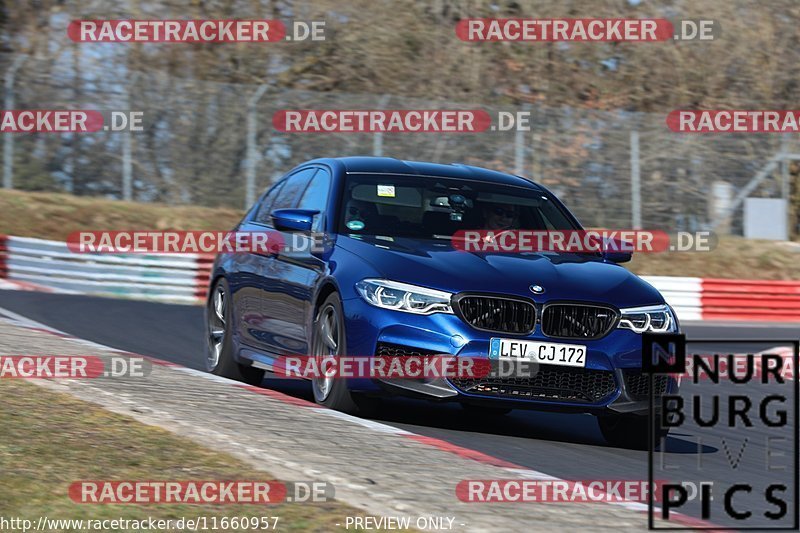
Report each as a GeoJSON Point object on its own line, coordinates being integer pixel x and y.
{"type": "Point", "coordinates": [359, 210]}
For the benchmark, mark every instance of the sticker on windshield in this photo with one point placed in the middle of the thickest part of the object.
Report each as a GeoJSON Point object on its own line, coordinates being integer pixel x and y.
{"type": "Point", "coordinates": [355, 225]}
{"type": "Point", "coordinates": [386, 190]}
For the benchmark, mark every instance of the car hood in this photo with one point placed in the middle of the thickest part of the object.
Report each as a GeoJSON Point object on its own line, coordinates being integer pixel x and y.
{"type": "Point", "coordinates": [436, 264]}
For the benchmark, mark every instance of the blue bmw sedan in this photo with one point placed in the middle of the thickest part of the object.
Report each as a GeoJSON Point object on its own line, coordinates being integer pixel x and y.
{"type": "Point", "coordinates": [373, 271]}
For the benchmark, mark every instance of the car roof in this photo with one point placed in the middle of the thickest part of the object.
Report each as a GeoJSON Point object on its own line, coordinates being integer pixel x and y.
{"type": "Point", "coordinates": [390, 165]}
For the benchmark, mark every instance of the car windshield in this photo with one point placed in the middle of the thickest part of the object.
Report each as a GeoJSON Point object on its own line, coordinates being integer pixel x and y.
{"type": "Point", "coordinates": [436, 208]}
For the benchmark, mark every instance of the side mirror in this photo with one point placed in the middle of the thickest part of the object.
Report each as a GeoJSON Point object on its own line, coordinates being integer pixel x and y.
{"type": "Point", "coordinates": [617, 251]}
{"type": "Point", "coordinates": [293, 219]}
{"type": "Point", "coordinates": [617, 257]}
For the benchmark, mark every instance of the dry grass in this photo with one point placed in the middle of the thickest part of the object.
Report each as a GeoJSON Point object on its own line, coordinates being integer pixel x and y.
{"type": "Point", "coordinates": [51, 440]}
{"type": "Point", "coordinates": [54, 216]}
{"type": "Point", "coordinates": [734, 257]}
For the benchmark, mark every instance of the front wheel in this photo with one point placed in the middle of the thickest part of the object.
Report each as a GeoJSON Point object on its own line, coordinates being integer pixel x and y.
{"type": "Point", "coordinates": [219, 348]}
{"type": "Point", "coordinates": [328, 341]}
{"type": "Point", "coordinates": [629, 431]}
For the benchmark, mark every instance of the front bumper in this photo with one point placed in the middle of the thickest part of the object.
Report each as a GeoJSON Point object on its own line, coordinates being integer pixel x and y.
{"type": "Point", "coordinates": [611, 380]}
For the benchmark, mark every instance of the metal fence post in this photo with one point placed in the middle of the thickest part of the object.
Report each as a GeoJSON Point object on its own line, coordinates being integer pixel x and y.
{"type": "Point", "coordinates": [785, 187]}
{"type": "Point", "coordinates": [784, 169]}
{"type": "Point", "coordinates": [127, 155]}
{"type": "Point", "coordinates": [127, 166]}
{"type": "Point", "coordinates": [377, 138]}
{"type": "Point", "coordinates": [250, 183]}
{"type": "Point", "coordinates": [519, 145]}
{"type": "Point", "coordinates": [519, 151]}
{"type": "Point", "coordinates": [636, 183]}
{"type": "Point", "coordinates": [8, 139]}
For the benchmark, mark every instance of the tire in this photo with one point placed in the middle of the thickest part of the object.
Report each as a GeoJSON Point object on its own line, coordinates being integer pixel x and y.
{"type": "Point", "coordinates": [328, 339]}
{"type": "Point", "coordinates": [219, 345]}
{"type": "Point", "coordinates": [482, 410]}
{"type": "Point", "coordinates": [629, 431]}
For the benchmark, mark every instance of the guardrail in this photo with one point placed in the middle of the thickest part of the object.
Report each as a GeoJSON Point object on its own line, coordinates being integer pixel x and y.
{"type": "Point", "coordinates": [51, 265]}
{"type": "Point", "coordinates": [683, 294]}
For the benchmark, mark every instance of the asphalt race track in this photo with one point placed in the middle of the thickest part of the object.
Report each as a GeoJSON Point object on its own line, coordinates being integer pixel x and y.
{"type": "Point", "coordinates": [565, 446]}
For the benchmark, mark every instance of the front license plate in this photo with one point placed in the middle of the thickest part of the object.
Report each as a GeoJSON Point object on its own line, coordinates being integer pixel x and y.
{"type": "Point", "coordinates": [547, 353]}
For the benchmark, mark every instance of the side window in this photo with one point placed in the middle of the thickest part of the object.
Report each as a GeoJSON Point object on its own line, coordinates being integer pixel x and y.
{"type": "Point", "coordinates": [262, 217]}
{"type": "Point", "coordinates": [294, 185]}
{"type": "Point", "coordinates": [316, 197]}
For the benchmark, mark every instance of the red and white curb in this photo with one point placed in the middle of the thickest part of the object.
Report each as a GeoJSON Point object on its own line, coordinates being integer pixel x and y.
{"type": "Point", "coordinates": [8, 285]}
{"type": "Point", "coordinates": [517, 471]}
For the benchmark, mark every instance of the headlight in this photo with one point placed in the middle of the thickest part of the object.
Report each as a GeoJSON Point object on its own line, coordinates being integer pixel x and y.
{"type": "Point", "coordinates": [404, 297]}
{"type": "Point", "coordinates": [654, 318]}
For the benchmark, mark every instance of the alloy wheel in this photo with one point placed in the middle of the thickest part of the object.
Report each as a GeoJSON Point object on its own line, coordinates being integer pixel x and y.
{"type": "Point", "coordinates": [216, 326]}
{"type": "Point", "coordinates": [326, 347]}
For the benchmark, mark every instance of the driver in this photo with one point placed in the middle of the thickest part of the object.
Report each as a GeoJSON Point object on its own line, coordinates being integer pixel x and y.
{"type": "Point", "coordinates": [500, 217]}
